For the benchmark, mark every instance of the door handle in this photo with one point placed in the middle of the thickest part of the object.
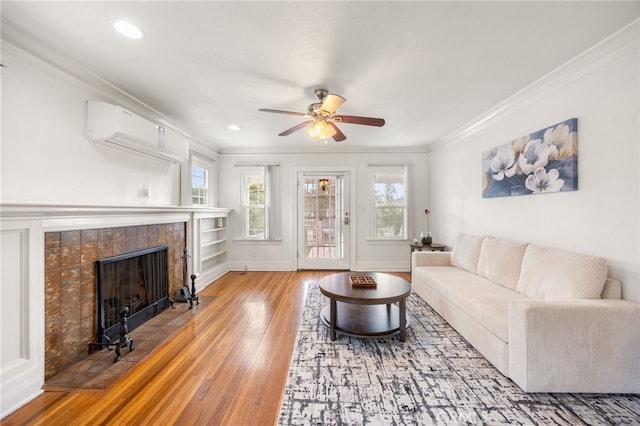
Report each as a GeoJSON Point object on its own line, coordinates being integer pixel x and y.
{"type": "Point", "coordinates": [346, 218]}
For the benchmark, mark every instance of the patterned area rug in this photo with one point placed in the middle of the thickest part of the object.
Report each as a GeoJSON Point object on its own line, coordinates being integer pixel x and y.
{"type": "Point", "coordinates": [435, 377]}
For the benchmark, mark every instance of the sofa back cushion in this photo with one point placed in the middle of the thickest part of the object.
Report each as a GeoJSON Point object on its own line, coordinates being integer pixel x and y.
{"type": "Point", "coordinates": [500, 261]}
{"type": "Point", "coordinates": [561, 275]}
{"type": "Point", "coordinates": [466, 252]}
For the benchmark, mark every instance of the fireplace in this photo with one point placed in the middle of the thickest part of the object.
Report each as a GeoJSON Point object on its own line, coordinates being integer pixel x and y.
{"type": "Point", "coordinates": [71, 299]}
{"type": "Point", "coordinates": [138, 281]}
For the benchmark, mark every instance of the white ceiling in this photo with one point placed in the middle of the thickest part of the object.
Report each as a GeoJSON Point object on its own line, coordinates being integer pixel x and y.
{"type": "Point", "coordinates": [426, 67]}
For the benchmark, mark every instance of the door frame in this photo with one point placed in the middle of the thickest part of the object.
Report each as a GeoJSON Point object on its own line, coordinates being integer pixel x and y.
{"type": "Point", "coordinates": [352, 204]}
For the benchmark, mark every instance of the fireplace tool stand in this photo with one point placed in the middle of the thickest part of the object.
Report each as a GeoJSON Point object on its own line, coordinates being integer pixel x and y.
{"type": "Point", "coordinates": [185, 294]}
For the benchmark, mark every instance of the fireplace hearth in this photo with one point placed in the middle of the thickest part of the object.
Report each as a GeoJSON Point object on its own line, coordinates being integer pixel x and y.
{"type": "Point", "coordinates": [131, 288]}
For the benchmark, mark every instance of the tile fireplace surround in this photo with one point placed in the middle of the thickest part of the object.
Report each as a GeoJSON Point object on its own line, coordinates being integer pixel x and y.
{"type": "Point", "coordinates": [70, 282]}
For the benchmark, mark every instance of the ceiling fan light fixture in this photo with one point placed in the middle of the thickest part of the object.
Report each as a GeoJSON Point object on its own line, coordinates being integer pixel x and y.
{"type": "Point", "coordinates": [320, 130]}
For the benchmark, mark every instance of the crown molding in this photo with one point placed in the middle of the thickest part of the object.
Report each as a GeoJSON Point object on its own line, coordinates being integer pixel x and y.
{"type": "Point", "coordinates": [619, 44]}
{"type": "Point", "coordinates": [327, 149]}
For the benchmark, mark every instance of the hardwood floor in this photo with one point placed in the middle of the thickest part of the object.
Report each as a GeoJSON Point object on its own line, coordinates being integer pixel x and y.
{"type": "Point", "coordinates": [227, 366]}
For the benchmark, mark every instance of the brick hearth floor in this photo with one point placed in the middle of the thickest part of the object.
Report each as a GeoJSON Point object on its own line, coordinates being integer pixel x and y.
{"type": "Point", "coordinates": [98, 370]}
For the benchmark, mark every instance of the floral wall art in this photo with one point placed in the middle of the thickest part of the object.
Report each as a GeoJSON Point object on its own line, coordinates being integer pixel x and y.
{"type": "Point", "coordinates": [544, 161]}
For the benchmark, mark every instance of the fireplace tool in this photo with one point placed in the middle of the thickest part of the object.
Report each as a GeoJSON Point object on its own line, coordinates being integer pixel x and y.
{"type": "Point", "coordinates": [185, 294]}
{"type": "Point", "coordinates": [188, 296]}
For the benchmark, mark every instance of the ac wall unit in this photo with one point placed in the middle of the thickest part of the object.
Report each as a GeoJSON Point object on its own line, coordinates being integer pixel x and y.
{"type": "Point", "coordinates": [174, 142]}
{"type": "Point", "coordinates": [114, 126]}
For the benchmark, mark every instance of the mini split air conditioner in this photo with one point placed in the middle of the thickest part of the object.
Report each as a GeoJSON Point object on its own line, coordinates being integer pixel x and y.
{"type": "Point", "coordinates": [115, 126]}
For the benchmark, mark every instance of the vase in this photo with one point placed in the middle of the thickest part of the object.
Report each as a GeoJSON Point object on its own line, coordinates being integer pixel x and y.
{"type": "Point", "coordinates": [426, 239]}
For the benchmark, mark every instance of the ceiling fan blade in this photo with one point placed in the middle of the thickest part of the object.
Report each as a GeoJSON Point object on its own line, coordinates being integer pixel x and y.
{"type": "Point", "coordinates": [295, 128]}
{"type": "Point", "coordinates": [339, 136]}
{"type": "Point", "coordinates": [332, 103]}
{"type": "Point", "coordinates": [279, 111]}
{"type": "Point", "coordinates": [368, 121]}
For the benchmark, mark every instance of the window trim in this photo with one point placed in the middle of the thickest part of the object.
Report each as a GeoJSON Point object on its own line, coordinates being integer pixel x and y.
{"type": "Point", "coordinates": [206, 187]}
{"type": "Point", "coordinates": [271, 174]}
{"type": "Point", "coordinates": [390, 169]}
{"type": "Point", "coordinates": [209, 166]}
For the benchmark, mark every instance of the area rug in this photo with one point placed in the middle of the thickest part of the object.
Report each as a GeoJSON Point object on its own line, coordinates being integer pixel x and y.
{"type": "Point", "coordinates": [435, 377]}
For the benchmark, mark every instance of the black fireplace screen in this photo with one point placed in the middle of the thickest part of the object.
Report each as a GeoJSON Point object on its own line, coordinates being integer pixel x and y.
{"type": "Point", "coordinates": [137, 280]}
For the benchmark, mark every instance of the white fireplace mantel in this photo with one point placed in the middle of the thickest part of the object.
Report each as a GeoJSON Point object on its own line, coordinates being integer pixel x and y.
{"type": "Point", "coordinates": [50, 212]}
{"type": "Point", "coordinates": [64, 217]}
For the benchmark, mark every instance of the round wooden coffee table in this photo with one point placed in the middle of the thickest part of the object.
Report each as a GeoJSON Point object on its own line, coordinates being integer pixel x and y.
{"type": "Point", "coordinates": [365, 312]}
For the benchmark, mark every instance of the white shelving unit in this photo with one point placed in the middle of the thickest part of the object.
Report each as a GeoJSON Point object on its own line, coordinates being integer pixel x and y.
{"type": "Point", "coordinates": [213, 242]}
{"type": "Point", "coordinates": [211, 233]}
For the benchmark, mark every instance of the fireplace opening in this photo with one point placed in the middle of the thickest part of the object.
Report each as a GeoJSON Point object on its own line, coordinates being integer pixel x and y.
{"type": "Point", "coordinates": [138, 281]}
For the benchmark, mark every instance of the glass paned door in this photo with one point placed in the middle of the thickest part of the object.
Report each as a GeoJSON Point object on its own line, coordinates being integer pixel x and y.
{"type": "Point", "coordinates": [323, 221]}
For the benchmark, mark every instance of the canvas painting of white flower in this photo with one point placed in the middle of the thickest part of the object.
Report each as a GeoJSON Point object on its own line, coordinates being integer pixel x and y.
{"type": "Point", "coordinates": [544, 161]}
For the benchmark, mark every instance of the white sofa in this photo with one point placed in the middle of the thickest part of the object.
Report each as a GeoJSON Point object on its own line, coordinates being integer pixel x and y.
{"type": "Point", "coordinates": [549, 319]}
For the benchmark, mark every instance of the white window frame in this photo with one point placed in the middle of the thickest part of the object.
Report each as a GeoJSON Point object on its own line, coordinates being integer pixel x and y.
{"type": "Point", "coordinates": [375, 173]}
{"type": "Point", "coordinates": [207, 165]}
{"type": "Point", "coordinates": [270, 177]}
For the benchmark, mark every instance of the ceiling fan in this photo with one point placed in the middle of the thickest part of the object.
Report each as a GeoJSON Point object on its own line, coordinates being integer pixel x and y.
{"type": "Point", "coordinates": [323, 117]}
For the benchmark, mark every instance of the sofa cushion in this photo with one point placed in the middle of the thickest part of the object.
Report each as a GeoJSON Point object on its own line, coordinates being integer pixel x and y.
{"type": "Point", "coordinates": [479, 298]}
{"type": "Point", "coordinates": [548, 273]}
{"type": "Point", "coordinates": [500, 261]}
{"type": "Point", "coordinates": [466, 252]}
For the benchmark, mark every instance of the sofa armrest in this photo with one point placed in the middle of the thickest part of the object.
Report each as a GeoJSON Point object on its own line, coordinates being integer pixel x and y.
{"type": "Point", "coordinates": [430, 258]}
{"type": "Point", "coordinates": [612, 289]}
{"type": "Point", "coordinates": [587, 345]}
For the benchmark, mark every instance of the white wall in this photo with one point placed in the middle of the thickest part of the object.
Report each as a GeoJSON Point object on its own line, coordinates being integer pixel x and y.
{"type": "Point", "coordinates": [368, 255]}
{"type": "Point", "coordinates": [45, 157]}
{"type": "Point", "coordinates": [601, 89]}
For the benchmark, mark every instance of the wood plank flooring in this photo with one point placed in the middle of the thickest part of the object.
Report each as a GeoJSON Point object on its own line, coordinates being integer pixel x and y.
{"type": "Point", "coordinates": [227, 366]}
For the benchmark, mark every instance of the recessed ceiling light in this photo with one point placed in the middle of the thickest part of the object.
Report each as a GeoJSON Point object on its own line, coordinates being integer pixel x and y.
{"type": "Point", "coordinates": [128, 29]}
{"type": "Point", "coordinates": [234, 128]}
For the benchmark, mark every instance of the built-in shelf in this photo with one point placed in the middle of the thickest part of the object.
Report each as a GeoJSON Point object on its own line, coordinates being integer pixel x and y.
{"type": "Point", "coordinates": [211, 233]}
{"type": "Point", "coordinates": [213, 255]}
{"type": "Point", "coordinates": [213, 230]}
{"type": "Point", "coordinates": [213, 243]}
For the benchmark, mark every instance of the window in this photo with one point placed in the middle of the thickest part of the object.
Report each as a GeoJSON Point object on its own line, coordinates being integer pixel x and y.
{"type": "Point", "coordinates": [390, 202]}
{"type": "Point", "coordinates": [199, 186]}
{"type": "Point", "coordinates": [253, 207]}
{"type": "Point", "coordinates": [258, 206]}
{"type": "Point", "coordinates": [202, 181]}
